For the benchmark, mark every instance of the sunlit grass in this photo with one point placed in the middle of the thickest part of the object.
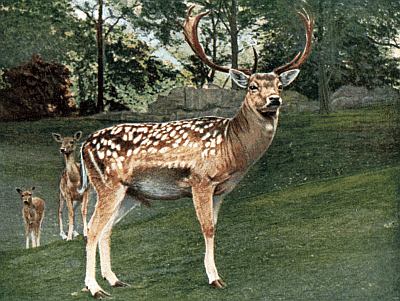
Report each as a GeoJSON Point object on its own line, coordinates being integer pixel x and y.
{"type": "Point", "coordinates": [315, 219]}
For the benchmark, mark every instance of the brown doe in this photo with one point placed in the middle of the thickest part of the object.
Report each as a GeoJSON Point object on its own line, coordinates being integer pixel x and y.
{"type": "Point", "coordinates": [33, 214]}
{"type": "Point", "coordinates": [70, 183]}
{"type": "Point", "coordinates": [203, 158]}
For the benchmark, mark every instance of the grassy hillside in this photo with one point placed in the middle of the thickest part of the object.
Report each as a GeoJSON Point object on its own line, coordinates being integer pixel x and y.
{"type": "Point", "coordinates": [315, 219]}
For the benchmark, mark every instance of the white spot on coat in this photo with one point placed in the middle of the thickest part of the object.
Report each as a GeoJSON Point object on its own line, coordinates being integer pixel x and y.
{"type": "Point", "coordinates": [137, 138]}
{"type": "Point", "coordinates": [206, 136]}
{"type": "Point", "coordinates": [164, 150]}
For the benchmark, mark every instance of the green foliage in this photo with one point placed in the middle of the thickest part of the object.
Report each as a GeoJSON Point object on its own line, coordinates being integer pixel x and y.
{"type": "Point", "coordinates": [349, 42]}
{"type": "Point", "coordinates": [353, 42]}
{"type": "Point", "coordinates": [35, 27]}
{"type": "Point", "coordinates": [133, 74]}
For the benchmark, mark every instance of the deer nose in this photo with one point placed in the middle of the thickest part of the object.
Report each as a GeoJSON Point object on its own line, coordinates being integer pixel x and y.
{"type": "Point", "coordinates": [274, 101]}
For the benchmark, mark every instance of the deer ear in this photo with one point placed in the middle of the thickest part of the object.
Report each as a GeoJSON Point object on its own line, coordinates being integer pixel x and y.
{"type": "Point", "coordinates": [57, 137]}
{"type": "Point", "coordinates": [78, 135]}
{"type": "Point", "coordinates": [239, 78]}
{"type": "Point", "coordinates": [288, 76]}
{"type": "Point", "coordinates": [18, 190]}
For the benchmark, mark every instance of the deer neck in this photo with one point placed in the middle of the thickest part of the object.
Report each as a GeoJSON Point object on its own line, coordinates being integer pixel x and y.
{"type": "Point", "coordinates": [71, 168]}
{"type": "Point", "coordinates": [250, 133]}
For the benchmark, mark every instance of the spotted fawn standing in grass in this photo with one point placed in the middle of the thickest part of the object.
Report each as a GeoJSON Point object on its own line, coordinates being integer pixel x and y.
{"type": "Point", "coordinates": [70, 182]}
{"type": "Point", "coordinates": [203, 158]}
{"type": "Point", "coordinates": [33, 214]}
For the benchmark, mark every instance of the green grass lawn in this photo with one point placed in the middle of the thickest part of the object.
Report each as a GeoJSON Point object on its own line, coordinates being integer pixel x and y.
{"type": "Point", "coordinates": [315, 219]}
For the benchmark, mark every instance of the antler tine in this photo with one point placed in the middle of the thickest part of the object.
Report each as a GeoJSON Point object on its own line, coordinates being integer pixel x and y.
{"type": "Point", "coordinates": [255, 54]}
{"type": "Point", "coordinates": [191, 35]}
{"type": "Point", "coordinates": [300, 58]}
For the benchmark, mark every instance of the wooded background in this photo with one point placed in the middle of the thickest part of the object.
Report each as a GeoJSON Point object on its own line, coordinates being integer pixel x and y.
{"type": "Point", "coordinates": [120, 54]}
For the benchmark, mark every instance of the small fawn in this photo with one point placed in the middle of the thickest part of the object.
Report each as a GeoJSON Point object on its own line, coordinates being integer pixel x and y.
{"type": "Point", "coordinates": [70, 182]}
{"type": "Point", "coordinates": [33, 214]}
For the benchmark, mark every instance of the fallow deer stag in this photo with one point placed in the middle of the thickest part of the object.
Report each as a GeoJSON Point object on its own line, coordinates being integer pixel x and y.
{"type": "Point", "coordinates": [33, 214]}
{"type": "Point", "coordinates": [203, 158]}
{"type": "Point", "coordinates": [70, 182]}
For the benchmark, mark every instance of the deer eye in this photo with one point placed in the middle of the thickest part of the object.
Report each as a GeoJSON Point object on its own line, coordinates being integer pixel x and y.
{"type": "Point", "coordinates": [253, 87]}
{"type": "Point", "coordinates": [280, 87]}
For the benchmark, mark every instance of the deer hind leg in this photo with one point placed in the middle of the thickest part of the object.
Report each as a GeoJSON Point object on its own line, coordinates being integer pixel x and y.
{"type": "Point", "coordinates": [74, 206]}
{"type": "Point", "coordinates": [217, 202]}
{"type": "Point", "coordinates": [39, 230]}
{"type": "Point", "coordinates": [108, 201]}
{"type": "Point", "coordinates": [60, 220]}
{"type": "Point", "coordinates": [84, 205]}
{"type": "Point", "coordinates": [105, 255]}
{"type": "Point", "coordinates": [203, 203]}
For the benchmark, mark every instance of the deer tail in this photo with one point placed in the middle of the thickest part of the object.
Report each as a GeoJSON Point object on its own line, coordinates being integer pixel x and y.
{"type": "Point", "coordinates": [84, 176]}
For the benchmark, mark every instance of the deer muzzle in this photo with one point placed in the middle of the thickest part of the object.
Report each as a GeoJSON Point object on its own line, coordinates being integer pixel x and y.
{"type": "Point", "coordinates": [273, 102]}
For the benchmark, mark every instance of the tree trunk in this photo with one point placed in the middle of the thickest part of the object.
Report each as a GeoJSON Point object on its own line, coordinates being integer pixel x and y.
{"type": "Point", "coordinates": [213, 47]}
{"type": "Point", "coordinates": [100, 60]}
{"type": "Point", "coordinates": [323, 89]}
{"type": "Point", "coordinates": [323, 81]}
{"type": "Point", "coordinates": [234, 37]}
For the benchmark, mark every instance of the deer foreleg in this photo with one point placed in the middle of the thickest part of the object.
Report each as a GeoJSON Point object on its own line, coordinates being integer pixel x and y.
{"type": "Point", "coordinates": [33, 238]}
{"type": "Point", "coordinates": [107, 205]}
{"type": "Point", "coordinates": [26, 236]}
{"type": "Point", "coordinates": [60, 221]}
{"type": "Point", "coordinates": [203, 203]}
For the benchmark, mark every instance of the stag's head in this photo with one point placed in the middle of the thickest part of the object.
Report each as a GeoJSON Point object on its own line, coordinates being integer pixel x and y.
{"type": "Point", "coordinates": [263, 89]}
{"type": "Point", "coordinates": [26, 195]}
{"type": "Point", "coordinates": [67, 144]}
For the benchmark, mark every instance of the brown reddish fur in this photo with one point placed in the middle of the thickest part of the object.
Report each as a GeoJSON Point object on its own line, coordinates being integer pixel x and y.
{"type": "Point", "coordinates": [203, 157]}
{"type": "Point", "coordinates": [70, 183]}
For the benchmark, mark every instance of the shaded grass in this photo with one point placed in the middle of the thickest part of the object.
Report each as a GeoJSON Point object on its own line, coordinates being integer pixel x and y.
{"type": "Point", "coordinates": [314, 219]}
{"type": "Point", "coordinates": [327, 240]}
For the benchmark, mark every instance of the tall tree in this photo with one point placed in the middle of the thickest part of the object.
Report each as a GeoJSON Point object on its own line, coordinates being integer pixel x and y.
{"type": "Point", "coordinates": [100, 58]}
{"type": "Point", "coordinates": [116, 12]}
{"type": "Point", "coordinates": [222, 23]}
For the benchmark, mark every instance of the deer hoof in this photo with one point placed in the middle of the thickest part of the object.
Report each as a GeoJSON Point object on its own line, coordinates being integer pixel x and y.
{"type": "Point", "coordinates": [75, 234]}
{"type": "Point", "coordinates": [101, 294]}
{"type": "Point", "coordinates": [218, 284]}
{"type": "Point", "coordinates": [119, 283]}
{"type": "Point", "coordinates": [63, 236]}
